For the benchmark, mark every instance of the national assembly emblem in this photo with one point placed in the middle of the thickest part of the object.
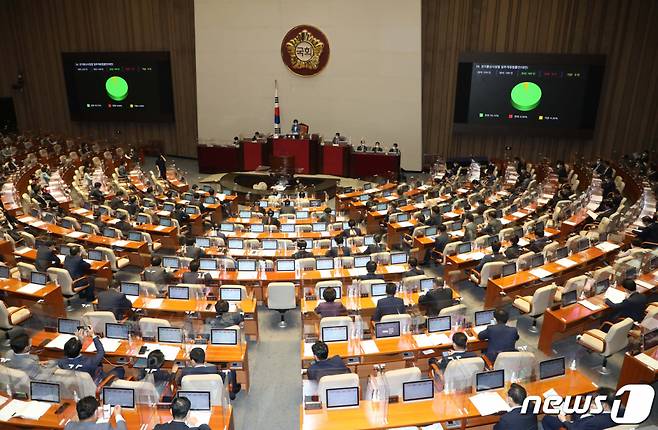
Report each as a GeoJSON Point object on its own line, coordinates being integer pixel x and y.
{"type": "Point", "coordinates": [305, 50]}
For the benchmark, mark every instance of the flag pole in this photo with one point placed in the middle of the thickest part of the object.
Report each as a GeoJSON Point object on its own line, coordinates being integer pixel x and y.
{"type": "Point", "coordinates": [277, 115]}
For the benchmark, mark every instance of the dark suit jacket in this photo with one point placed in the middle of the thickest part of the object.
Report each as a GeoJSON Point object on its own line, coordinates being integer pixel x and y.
{"type": "Point", "coordinates": [649, 233]}
{"type": "Point", "coordinates": [333, 251]}
{"type": "Point", "coordinates": [206, 369]}
{"type": "Point", "coordinates": [227, 319]}
{"type": "Point", "coordinates": [371, 276]}
{"type": "Point", "coordinates": [85, 363]}
{"type": "Point", "coordinates": [633, 307]}
{"type": "Point", "coordinates": [435, 219]}
{"type": "Point", "coordinates": [76, 266]}
{"type": "Point", "coordinates": [435, 300]}
{"type": "Point", "coordinates": [488, 259]}
{"type": "Point", "coordinates": [501, 338]}
{"type": "Point", "coordinates": [514, 420]}
{"type": "Point", "coordinates": [196, 278]}
{"type": "Point", "coordinates": [591, 422]}
{"type": "Point", "coordinates": [28, 363]}
{"type": "Point", "coordinates": [287, 210]}
{"type": "Point", "coordinates": [413, 272]}
{"type": "Point", "coordinates": [114, 301]}
{"type": "Point", "coordinates": [302, 254]}
{"type": "Point", "coordinates": [157, 274]}
{"type": "Point", "coordinates": [46, 258]}
{"type": "Point", "coordinates": [388, 306]}
{"type": "Point", "coordinates": [457, 355]}
{"type": "Point", "coordinates": [330, 366]}
{"type": "Point", "coordinates": [441, 241]}
{"type": "Point", "coordinates": [330, 309]}
{"type": "Point", "coordinates": [513, 252]}
{"type": "Point", "coordinates": [177, 425]}
{"type": "Point", "coordinates": [194, 252]}
{"type": "Point", "coordinates": [539, 244]}
{"type": "Point", "coordinates": [493, 227]}
{"type": "Point", "coordinates": [371, 249]}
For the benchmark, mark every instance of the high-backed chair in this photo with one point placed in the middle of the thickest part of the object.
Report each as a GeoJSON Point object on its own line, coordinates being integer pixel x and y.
{"type": "Point", "coordinates": [305, 263]}
{"type": "Point", "coordinates": [16, 379]}
{"type": "Point", "coordinates": [517, 364]}
{"type": "Point", "coordinates": [145, 391]}
{"type": "Point", "coordinates": [281, 296]}
{"type": "Point", "coordinates": [523, 262]}
{"type": "Point", "coordinates": [70, 287]}
{"type": "Point", "coordinates": [536, 304]}
{"type": "Point", "coordinates": [98, 319]}
{"type": "Point", "coordinates": [412, 283]}
{"type": "Point", "coordinates": [395, 379]}
{"type": "Point", "coordinates": [25, 270]}
{"type": "Point", "coordinates": [460, 374]}
{"type": "Point", "coordinates": [404, 319]}
{"type": "Point", "coordinates": [455, 311]}
{"type": "Point", "coordinates": [12, 316]}
{"type": "Point", "coordinates": [489, 270]}
{"type": "Point", "coordinates": [346, 380]}
{"type": "Point", "coordinates": [382, 258]}
{"type": "Point", "coordinates": [74, 384]}
{"type": "Point", "coordinates": [149, 326]}
{"type": "Point", "coordinates": [365, 285]}
{"type": "Point", "coordinates": [148, 289]}
{"type": "Point", "coordinates": [607, 344]}
{"type": "Point", "coordinates": [116, 263]}
{"type": "Point", "coordinates": [576, 283]}
{"type": "Point", "coordinates": [324, 284]}
{"type": "Point", "coordinates": [337, 322]}
{"type": "Point", "coordinates": [344, 262]}
{"type": "Point", "coordinates": [28, 239]}
{"type": "Point", "coordinates": [196, 290]}
{"type": "Point", "coordinates": [212, 383]}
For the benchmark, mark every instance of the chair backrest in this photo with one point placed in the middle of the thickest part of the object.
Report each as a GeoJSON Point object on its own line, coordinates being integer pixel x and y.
{"type": "Point", "coordinates": [490, 270]}
{"type": "Point", "coordinates": [305, 263]}
{"type": "Point", "coordinates": [404, 319]}
{"type": "Point", "coordinates": [337, 322]}
{"type": "Point", "coordinates": [460, 374]}
{"type": "Point", "coordinates": [149, 326]}
{"type": "Point", "coordinates": [346, 380]}
{"type": "Point", "coordinates": [550, 249]}
{"type": "Point", "coordinates": [383, 257]}
{"type": "Point", "coordinates": [412, 283]}
{"type": "Point", "coordinates": [210, 382]}
{"type": "Point", "coordinates": [576, 283]}
{"type": "Point", "coordinates": [451, 248]}
{"type": "Point", "coordinates": [603, 273]}
{"type": "Point", "coordinates": [145, 391]}
{"type": "Point", "coordinates": [97, 320]}
{"type": "Point", "coordinates": [74, 384]}
{"type": "Point", "coordinates": [456, 311]}
{"type": "Point", "coordinates": [542, 299]}
{"type": "Point", "coordinates": [17, 380]}
{"type": "Point", "coordinates": [148, 289]}
{"type": "Point", "coordinates": [617, 337]}
{"type": "Point", "coordinates": [25, 269]}
{"type": "Point", "coordinates": [323, 284]}
{"type": "Point", "coordinates": [366, 283]}
{"type": "Point", "coordinates": [109, 256]}
{"type": "Point", "coordinates": [196, 290]}
{"type": "Point", "coordinates": [281, 295]}
{"type": "Point", "coordinates": [506, 233]}
{"type": "Point", "coordinates": [344, 262]}
{"type": "Point", "coordinates": [396, 378]}
{"type": "Point", "coordinates": [517, 364]}
{"type": "Point", "coordinates": [523, 262]}
{"type": "Point", "coordinates": [63, 278]}
{"type": "Point", "coordinates": [5, 324]}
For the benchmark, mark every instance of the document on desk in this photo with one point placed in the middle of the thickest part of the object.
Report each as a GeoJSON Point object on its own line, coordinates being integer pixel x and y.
{"type": "Point", "coordinates": [435, 426]}
{"type": "Point", "coordinates": [472, 256]}
{"type": "Point", "coordinates": [614, 295]}
{"type": "Point", "coordinates": [308, 352]}
{"type": "Point", "coordinates": [196, 418]}
{"type": "Point", "coordinates": [405, 224]}
{"type": "Point", "coordinates": [540, 273]}
{"type": "Point", "coordinates": [571, 223]}
{"type": "Point", "coordinates": [112, 221]}
{"type": "Point", "coordinates": [30, 288]}
{"type": "Point", "coordinates": [518, 214]}
{"type": "Point", "coordinates": [450, 215]}
{"type": "Point", "coordinates": [369, 347]}
{"type": "Point", "coordinates": [589, 305]}
{"type": "Point", "coordinates": [489, 403]}
{"type": "Point", "coordinates": [154, 303]}
{"type": "Point", "coordinates": [170, 352]}
{"type": "Point", "coordinates": [132, 299]}
{"type": "Point", "coordinates": [37, 224]}
{"type": "Point", "coordinates": [504, 221]}
{"type": "Point", "coordinates": [542, 201]}
{"type": "Point", "coordinates": [109, 345]}
{"type": "Point", "coordinates": [523, 242]}
{"type": "Point", "coordinates": [59, 341]}
{"type": "Point", "coordinates": [644, 284]}
{"type": "Point", "coordinates": [607, 246]}
{"type": "Point", "coordinates": [121, 243]}
{"type": "Point", "coordinates": [22, 250]}
{"type": "Point", "coordinates": [395, 268]}
{"type": "Point", "coordinates": [566, 262]}
{"type": "Point", "coordinates": [246, 275]}
{"type": "Point", "coordinates": [29, 410]}
{"type": "Point", "coordinates": [358, 271]}
{"type": "Point", "coordinates": [434, 339]}
{"type": "Point", "coordinates": [648, 361]}
{"type": "Point", "coordinates": [160, 227]}
{"type": "Point", "coordinates": [79, 211]}
{"type": "Point", "coordinates": [550, 393]}
{"type": "Point", "coordinates": [76, 234]}
{"type": "Point", "coordinates": [592, 214]}
{"type": "Point", "coordinates": [325, 274]}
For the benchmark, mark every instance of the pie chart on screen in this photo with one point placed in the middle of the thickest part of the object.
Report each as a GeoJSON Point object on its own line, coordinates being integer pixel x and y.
{"type": "Point", "coordinates": [525, 96]}
{"type": "Point", "coordinates": [117, 88]}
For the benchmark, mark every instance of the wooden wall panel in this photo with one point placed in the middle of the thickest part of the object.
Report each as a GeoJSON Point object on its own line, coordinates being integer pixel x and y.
{"type": "Point", "coordinates": [34, 33]}
{"type": "Point", "coordinates": [625, 31]}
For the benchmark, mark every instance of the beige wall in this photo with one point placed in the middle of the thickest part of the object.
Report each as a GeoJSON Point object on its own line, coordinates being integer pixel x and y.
{"type": "Point", "coordinates": [370, 88]}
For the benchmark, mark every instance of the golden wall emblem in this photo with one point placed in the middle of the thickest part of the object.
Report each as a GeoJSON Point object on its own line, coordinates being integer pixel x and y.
{"type": "Point", "coordinates": [305, 50]}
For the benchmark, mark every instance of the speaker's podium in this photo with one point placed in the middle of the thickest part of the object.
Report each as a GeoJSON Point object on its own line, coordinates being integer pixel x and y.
{"type": "Point", "coordinates": [304, 151]}
{"type": "Point", "coordinates": [255, 153]}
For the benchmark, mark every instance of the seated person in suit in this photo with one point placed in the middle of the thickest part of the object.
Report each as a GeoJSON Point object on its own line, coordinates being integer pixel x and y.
{"type": "Point", "coordinates": [362, 146]}
{"type": "Point", "coordinates": [353, 230]}
{"type": "Point", "coordinates": [377, 147]}
{"type": "Point", "coordinates": [180, 409]}
{"type": "Point", "coordinates": [648, 233]}
{"type": "Point", "coordinates": [194, 277]}
{"type": "Point", "coordinates": [198, 366]}
{"type": "Point", "coordinates": [78, 268]}
{"type": "Point", "coordinates": [156, 273]}
{"type": "Point", "coordinates": [586, 421]}
{"type": "Point", "coordinates": [371, 268]}
{"type": "Point", "coordinates": [191, 250]}
{"type": "Point", "coordinates": [339, 250]}
{"type": "Point", "coordinates": [154, 373]}
{"type": "Point", "coordinates": [435, 216]}
{"type": "Point", "coordinates": [89, 413]}
{"type": "Point", "coordinates": [295, 130]}
{"type": "Point", "coordinates": [330, 308]}
{"type": "Point", "coordinates": [47, 257]}
{"type": "Point", "coordinates": [514, 419]}
{"type": "Point", "coordinates": [270, 219]}
{"type": "Point", "coordinates": [493, 224]}
{"type": "Point", "coordinates": [470, 229]}
{"type": "Point", "coordinates": [440, 241]}
{"type": "Point", "coordinates": [287, 208]}
{"type": "Point", "coordinates": [495, 255]}
{"type": "Point", "coordinates": [116, 202]}
{"type": "Point", "coordinates": [133, 206]}
{"type": "Point", "coordinates": [540, 241]}
{"type": "Point", "coordinates": [377, 246]}
{"type": "Point", "coordinates": [96, 195]}
{"type": "Point", "coordinates": [301, 251]}
{"type": "Point", "coordinates": [459, 341]}
{"type": "Point", "coordinates": [389, 305]}
{"type": "Point", "coordinates": [114, 300]}
{"type": "Point", "coordinates": [437, 298]}
{"type": "Point", "coordinates": [394, 150]}
{"type": "Point", "coordinates": [91, 364]}
{"type": "Point", "coordinates": [224, 318]}
{"type": "Point", "coordinates": [514, 251]}
{"type": "Point", "coordinates": [633, 306]}
{"type": "Point", "coordinates": [336, 138]}
{"type": "Point", "coordinates": [123, 225]}
{"type": "Point", "coordinates": [500, 336]}
{"type": "Point", "coordinates": [323, 365]}
{"type": "Point", "coordinates": [413, 270]}
{"type": "Point", "coordinates": [19, 357]}
{"type": "Point", "coordinates": [327, 216]}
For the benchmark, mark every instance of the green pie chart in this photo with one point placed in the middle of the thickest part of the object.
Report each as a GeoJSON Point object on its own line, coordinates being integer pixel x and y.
{"type": "Point", "coordinates": [525, 96]}
{"type": "Point", "coordinates": [117, 88]}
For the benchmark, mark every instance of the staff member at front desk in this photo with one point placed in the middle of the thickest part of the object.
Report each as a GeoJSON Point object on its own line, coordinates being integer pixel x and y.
{"type": "Point", "coordinates": [295, 129]}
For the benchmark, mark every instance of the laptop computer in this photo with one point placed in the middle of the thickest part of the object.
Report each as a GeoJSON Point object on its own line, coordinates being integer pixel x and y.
{"type": "Point", "coordinates": [124, 397]}
{"type": "Point", "coordinates": [223, 336]}
{"type": "Point", "coordinates": [417, 390]}
{"type": "Point", "coordinates": [170, 335]}
{"type": "Point", "coordinates": [44, 392]}
{"type": "Point", "coordinates": [230, 294]}
{"type": "Point", "coordinates": [439, 324]}
{"type": "Point", "coordinates": [342, 397]}
{"type": "Point", "coordinates": [552, 368]}
{"type": "Point", "coordinates": [489, 380]}
{"type": "Point", "coordinates": [334, 334]}
{"type": "Point", "coordinates": [387, 329]}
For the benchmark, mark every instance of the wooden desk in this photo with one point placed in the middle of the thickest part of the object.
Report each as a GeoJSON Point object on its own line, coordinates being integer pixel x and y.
{"type": "Point", "coordinates": [273, 254]}
{"type": "Point", "coordinates": [525, 281]}
{"type": "Point", "coordinates": [443, 407]}
{"type": "Point", "coordinates": [100, 269]}
{"type": "Point", "coordinates": [576, 318]}
{"type": "Point", "coordinates": [168, 236]}
{"type": "Point", "coordinates": [51, 294]}
{"type": "Point", "coordinates": [634, 371]}
{"type": "Point", "coordinates": [206, 308]}
{"type": "Point", "coordinates": [575, 222]}
{"type": "Point", "coordinates": [233, 357]}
